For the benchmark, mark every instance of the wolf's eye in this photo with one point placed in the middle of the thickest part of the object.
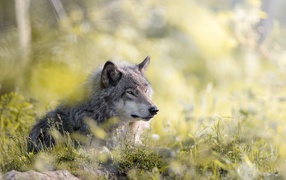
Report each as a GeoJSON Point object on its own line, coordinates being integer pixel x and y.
{"type": "Point", "coordinates": [130, 92]}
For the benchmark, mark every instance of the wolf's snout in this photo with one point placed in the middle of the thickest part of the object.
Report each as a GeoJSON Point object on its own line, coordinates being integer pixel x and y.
{"type": "Point", "coordinates": [153, 110]}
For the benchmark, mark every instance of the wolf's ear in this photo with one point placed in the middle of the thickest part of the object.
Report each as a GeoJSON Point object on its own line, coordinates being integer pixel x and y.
{"type": "Point", "coordinates": [144, 65]}
{"type": "Point", "coordinates": [110, 75]}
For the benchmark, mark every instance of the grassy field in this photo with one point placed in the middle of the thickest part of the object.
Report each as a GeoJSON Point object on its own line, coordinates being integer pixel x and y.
{"type": "Point", "coordinates": [222, 97]}
{"type": "Point", "coordinates": [233, 130]}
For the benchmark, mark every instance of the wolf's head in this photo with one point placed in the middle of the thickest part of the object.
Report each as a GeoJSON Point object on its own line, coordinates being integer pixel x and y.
{"type": "Point", "coordinates": [130, 88]}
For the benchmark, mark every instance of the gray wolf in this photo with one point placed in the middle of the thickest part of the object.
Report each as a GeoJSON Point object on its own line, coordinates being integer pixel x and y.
{"type": "Point", "coordinates": [117, 90]}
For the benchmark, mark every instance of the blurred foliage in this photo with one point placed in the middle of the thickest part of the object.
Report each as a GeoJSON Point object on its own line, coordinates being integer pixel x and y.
{"type": "Point", "coordinates": [221, 92]}
{"type": "Point", "coordinates": [16, 114]}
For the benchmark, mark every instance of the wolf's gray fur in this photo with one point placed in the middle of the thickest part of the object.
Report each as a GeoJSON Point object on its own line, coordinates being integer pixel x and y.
{"type": "Point", "coordinates": [118, 90]}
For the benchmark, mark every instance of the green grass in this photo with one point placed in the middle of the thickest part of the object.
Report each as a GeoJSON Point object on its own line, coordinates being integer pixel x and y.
{"type": "Point", "coordinates": [243, 145]}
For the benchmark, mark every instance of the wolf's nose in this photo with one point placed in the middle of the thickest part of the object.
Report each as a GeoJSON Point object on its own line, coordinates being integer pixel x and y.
{"type": "Point", "coordinates": [153, 110]}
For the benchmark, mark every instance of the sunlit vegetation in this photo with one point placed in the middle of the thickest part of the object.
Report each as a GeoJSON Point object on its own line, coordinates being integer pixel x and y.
{"type": "Point", "coordinates": [221, 92]}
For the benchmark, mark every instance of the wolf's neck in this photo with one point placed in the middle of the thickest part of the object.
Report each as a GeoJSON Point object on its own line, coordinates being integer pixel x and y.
{"type": "Point", "coordinates": [99, 108]}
